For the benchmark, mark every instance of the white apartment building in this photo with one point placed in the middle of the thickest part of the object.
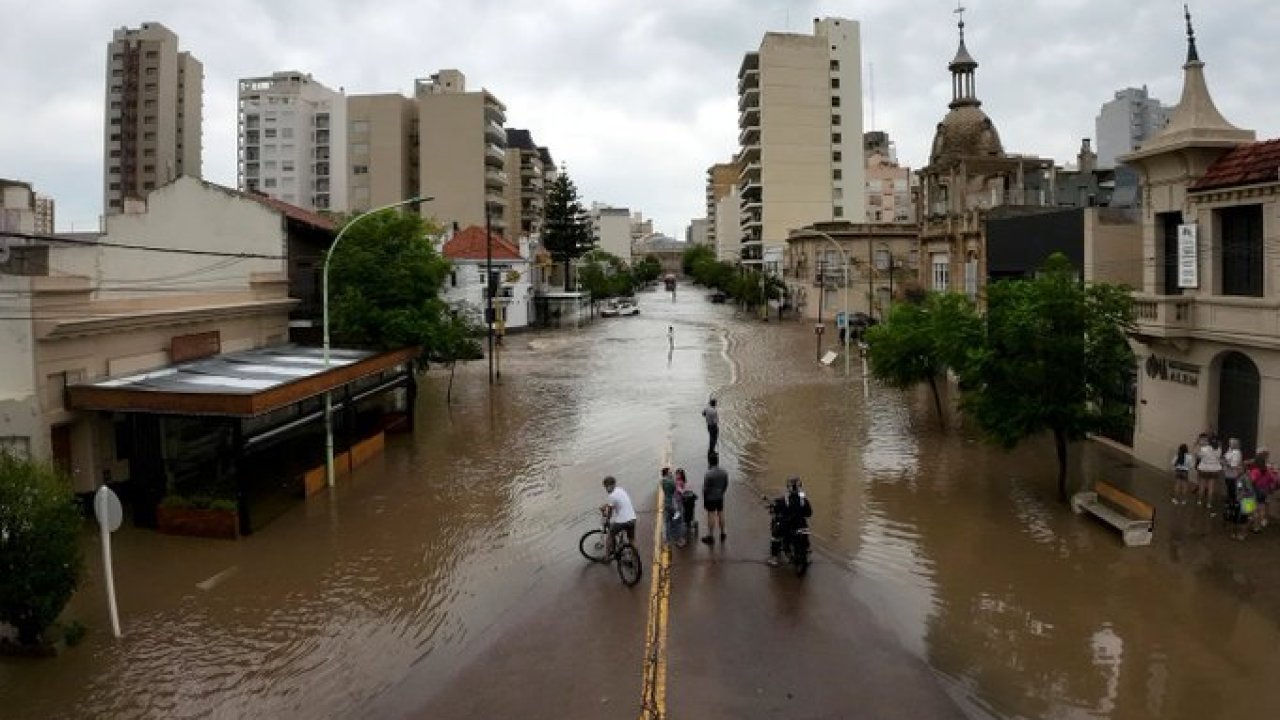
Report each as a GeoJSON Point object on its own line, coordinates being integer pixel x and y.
{"type": "Point", "coordinates": [292, 140]}
{"type": "Point", "coordinates": [612, 229]}
{"type": "Point", "coordinates": [1127, 120]}
{"type": "Point", "coordinates": [153, 113]}
{"type": "Point", "coordinates": [800, 134]}
{"type": "Point", "coordinates": [697, 232]}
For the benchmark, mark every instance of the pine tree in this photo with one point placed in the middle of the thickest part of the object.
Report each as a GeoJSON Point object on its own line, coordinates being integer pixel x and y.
{"type": "Point", "coordinates": [566, 232]}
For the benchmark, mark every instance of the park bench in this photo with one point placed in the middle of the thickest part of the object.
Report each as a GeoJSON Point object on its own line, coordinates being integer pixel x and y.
{"type": "Point", "coordinates": [1117, 508]}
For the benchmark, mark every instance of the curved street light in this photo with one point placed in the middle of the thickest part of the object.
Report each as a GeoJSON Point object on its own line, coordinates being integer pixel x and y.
{"type": "Point", "coordinates": [324, 283]}
{"type": "Point", "coordinates": [848, 329]}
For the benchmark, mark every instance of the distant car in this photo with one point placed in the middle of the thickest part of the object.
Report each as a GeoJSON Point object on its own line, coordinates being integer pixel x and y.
{"type": "Point", "coordinates": [717, 297]}
{"type": "Point", "coordinates": [619, 308]}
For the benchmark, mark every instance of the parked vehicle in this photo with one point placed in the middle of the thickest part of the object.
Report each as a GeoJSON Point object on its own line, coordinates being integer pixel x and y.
{"type": "Point", "coordinates": [619, 308]}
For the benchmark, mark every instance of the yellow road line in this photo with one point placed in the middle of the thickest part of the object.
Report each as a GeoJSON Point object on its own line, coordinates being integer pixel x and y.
{"type": "Point", "coordinates": [653, 693]}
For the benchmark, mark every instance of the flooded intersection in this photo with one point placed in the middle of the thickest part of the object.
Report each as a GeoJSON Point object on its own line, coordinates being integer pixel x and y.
{"type": "Point", "coordinates": [449, 564]}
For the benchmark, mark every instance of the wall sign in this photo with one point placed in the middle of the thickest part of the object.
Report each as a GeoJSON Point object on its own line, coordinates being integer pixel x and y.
{"type": "Point", "coordinates": [1188, 257]}
{"type": "Point", "coordinates": [1159, 368]}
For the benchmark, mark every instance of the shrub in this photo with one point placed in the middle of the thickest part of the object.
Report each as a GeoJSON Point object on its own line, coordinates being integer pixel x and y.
{"type": "Point", "coordinates": [40, 560]}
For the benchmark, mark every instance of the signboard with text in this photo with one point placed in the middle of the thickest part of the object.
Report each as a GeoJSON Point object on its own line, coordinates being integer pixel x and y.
{"type": "Point", "coordinates": [1188, 257]}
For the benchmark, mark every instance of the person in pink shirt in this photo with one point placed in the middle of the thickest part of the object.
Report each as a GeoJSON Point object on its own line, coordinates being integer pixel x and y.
{"type": "Point", "coordinates": [1265, 481]}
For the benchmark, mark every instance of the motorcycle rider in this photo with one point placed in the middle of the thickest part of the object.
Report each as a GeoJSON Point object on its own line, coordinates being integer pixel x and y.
{"type": "Point", "coordinates": [791, 512]}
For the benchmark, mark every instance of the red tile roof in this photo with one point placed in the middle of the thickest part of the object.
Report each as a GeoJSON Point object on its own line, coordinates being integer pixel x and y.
{"type": "Point", "coordinates": [1247, 164]}
{"type": "Point", "coordinates": [469, 244]}
{"type": "Point", "coordinates": [293, 212]}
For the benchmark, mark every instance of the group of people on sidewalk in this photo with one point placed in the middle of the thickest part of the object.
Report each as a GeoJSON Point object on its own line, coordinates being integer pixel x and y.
{"type": "Point", "coordinates": [679, 502]}
{"type": "Point", "coordinates": [1224, 479]}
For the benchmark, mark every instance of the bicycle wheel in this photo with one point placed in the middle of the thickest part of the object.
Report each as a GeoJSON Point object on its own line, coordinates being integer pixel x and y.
{"type": "Point", "coordinates": [593, 546]}
{"type": "Point", "coordinates": [629, 566]}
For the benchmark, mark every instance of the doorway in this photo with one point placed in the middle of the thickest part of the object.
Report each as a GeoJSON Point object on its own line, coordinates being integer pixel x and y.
{"type": "Point", "coordinates": [1239, 389]}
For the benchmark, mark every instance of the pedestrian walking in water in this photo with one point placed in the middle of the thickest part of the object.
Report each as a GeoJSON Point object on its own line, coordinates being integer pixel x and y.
{"type": "Point", "coordinates": [671, 335]}
{"type": "Point", "coordinates": [712, 416]}
{"type": "Point", "coordinates": [1182, 475]}
{"type": "Point", "coordinates": [714, 485]}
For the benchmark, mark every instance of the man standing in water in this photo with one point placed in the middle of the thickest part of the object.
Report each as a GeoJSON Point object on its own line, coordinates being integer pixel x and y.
{"type": "Point", "coordinates": [714, 485]}
{"type": "Point", "coordinates": [712, 416]}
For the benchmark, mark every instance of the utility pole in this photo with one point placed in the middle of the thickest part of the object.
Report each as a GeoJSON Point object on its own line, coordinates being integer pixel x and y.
{"type": "Point", "coordinates": [489, 285]}
{"type": "Point", "coordinates": [822, 295]}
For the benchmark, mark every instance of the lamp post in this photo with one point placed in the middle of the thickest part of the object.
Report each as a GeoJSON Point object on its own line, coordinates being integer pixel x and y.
{"type": "Point", "coordinates": [324, 285]}
{"type": "Point", "coordinates": [848, 330]}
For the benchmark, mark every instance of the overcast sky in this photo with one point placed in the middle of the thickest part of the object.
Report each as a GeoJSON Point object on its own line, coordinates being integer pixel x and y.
{"type": "Point", "coordinates": [636, 98]}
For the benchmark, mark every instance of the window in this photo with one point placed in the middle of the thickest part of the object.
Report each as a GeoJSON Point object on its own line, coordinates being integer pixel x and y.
{"type": "Point", "coordinates": [148, 168]}
{"type": "Point", "coordinates": [115, 137]}
{"type": "Point", "coordinates": [1240, 250]}
{"type": "Point", "coordinates": [269, 182]}
{"type": "Point", "coordinates": [835, 64]}
{"type": "Point", "coordinates": [115, 153]}
{"type": "Point", "coordinates": [835, 101]}
{"type": "Point", "coordinates": [837, 211]}
{"type": "Point", "coordinates": [941, 264]}
{"type": "Point", "coordinates": [836, 138]}
{"type": "Point", "coordinates": [837, 174]}
{"type": "Point", "coordinates": [269, 133]}
{"type": "Point", "coordinates": [115, 186]}
{"type": "Point", "coordinates": [971, 278]}
{"type": "Point", "coordinates": [286, 166]}
{"type": "Point", "coordinates": [837, 156]}
{"type": "Point", "coordinates": [1167, 225]}
{"type": "Point", "coordinates": [882, 259]}
{"type": "Point", "coordinates": [835, 119]}
{"type": "Point", "coordinates": [835, 83]}
{"type": "Point", "coordinates": [149, 152]}
{"type": "Point", "coordinates": [150, 87]}
{"type": "Point", "coordinates": [837, 193]}
{"type": "Point", "coordinates": [359, 169]}
{"type": "Point", "coordinates": [286, 132]}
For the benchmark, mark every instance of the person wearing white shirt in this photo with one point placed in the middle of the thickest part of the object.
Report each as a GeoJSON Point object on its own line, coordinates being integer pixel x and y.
{"type": "Point", "coordinates": [622, 514]}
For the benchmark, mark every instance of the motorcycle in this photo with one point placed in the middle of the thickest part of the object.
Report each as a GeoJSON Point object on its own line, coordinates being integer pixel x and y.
{"type": "Point", "coordinates": [792, 541]}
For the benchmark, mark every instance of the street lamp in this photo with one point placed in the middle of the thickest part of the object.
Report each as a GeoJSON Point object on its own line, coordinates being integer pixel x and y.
{"type": "Point", "coordinates": [848, 329]}
{"type": "Point", "coordinates": [324, 285]}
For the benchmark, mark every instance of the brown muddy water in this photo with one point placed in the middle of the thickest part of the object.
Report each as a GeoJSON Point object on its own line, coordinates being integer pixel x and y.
{"type": "Point", "coordinates": [1023, 609]}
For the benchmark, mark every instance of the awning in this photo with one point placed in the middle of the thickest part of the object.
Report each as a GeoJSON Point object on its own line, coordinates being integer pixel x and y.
{"type": "Point", "coordinates": [239, 384]}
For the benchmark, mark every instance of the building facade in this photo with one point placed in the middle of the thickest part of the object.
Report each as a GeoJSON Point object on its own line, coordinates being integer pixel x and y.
{"type": "Point", "coordinates": [513, 262]}
{"type": "Point", "coordinates": [1126, 121]}
{"type": "Point", "coordinates": [1208, 329]}
{"type": "Point", "coordinates": [382, 150]}
{"type": "Point", "coordinates": [969, 173]}
{"type": "Point", "coordinates": [292, 140]}
{"type": "Point", "coordinates": [728, 218]}
{"type": "Point", "coordinates": [698, 231]}
{"type": "Point", "coordinates": [526, 186]}
{"type": "Point", "coordinates": [883, 263]}
{"type": "Point", "coordinates": [800, 134]}
{"type": "Point", "coordinates": [891, 188]}
{"type": "Point", "coordinates": [721, 178]}
{"type": "Point", "coordinates": [154, 104]}
{"type": "Point", "coordinates": [462, 152]}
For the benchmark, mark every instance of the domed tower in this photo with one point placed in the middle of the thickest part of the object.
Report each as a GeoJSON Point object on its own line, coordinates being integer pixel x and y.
{"type": "Point", "coordinates": [966, 131]}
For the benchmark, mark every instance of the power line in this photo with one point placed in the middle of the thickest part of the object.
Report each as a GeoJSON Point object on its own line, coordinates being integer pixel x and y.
{"type": "Point", "coordinates": [130, 246]}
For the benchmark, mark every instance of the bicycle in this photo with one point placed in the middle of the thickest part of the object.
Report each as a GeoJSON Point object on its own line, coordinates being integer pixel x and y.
{"type": "Point", "coordinates": [594, 546]}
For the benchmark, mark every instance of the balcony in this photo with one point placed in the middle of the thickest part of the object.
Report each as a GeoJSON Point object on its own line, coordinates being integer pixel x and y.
{"type": "Point", "coordinates": [751, 221]}
{"type": "Point", "coordinates": [1189, 316]}
{"type": "Point", "coordinates": [494, 155]}
{"type": "Point", "coordinates": [750, 155]}
{"type": "Point", "coordinates": [751, 205]}
{"type": "Point", "coordinates": [495, 179]}
{"type": "Point", "coordinates": [494, 132]}
{"type": "Point", "coordinates": [749, 136]}
{"type": "Point", "coordinates": [750, 174]}
{"type": "Point", "coordinates": [749, 98]}
{"type": "Point", "coordinates": [749, 118]}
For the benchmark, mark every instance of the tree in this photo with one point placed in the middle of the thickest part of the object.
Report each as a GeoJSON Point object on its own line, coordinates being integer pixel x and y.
{"type": "Point", "coordinates": [647, 270]}
{"type": "Point", "coordinates": [566, 230]}
{"type": "Point", "coordinates": [456, 336]}
{"type": "Point", "coordinates": [1055, 357]}
{"type": "Point", "coordinates": [693, 257]}
{"type": "Point", "coordinates": [384, 280]}
{"type": "Point", "coordinates": [604, 275]}
{"type": "Point", "coordinates": [922, 341]}
{"type": "Point", "coordinates": [40, 559]}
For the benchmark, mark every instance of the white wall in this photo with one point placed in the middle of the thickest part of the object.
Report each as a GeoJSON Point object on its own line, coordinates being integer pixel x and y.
{"type": "Point", "coordinates": [465, 285]}
{"type": "Point", "coordinates": [20, 425]}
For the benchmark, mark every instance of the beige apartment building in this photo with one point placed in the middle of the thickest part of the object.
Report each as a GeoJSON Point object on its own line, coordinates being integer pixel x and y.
{"type": "Point", "coordinates": [721, 179]}
{"type": "Point", "coordinates": [800, 134]}
{"type": "Point", "coordinates": [1208, 335]}
{"type": "Point", "coordinates": [382, 150]}
{"type": "Point", "coordinates": [462, 152]}
{"type": "Point", "coordinates": [526, 185]}
{"type": "Point", "coordinates": [153, 113]}
{"type": "Point", "coordinates": [292, 140]}
{"type": "Point", "coordinates": [891, 187]}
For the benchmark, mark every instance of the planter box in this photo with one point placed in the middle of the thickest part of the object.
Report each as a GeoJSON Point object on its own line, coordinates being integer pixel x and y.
{"type": "Point", "coordinates": [198, 522]}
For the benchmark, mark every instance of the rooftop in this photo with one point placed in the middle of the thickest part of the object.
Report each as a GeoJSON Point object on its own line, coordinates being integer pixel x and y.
{"type": "Point", "coordinates": [1247, 164]}
{"type": "Point", "coordinates": [469, 244]}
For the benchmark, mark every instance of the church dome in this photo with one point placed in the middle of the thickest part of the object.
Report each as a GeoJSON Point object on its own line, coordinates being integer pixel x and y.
{"type": "Point", "coordinates": [966, 131]}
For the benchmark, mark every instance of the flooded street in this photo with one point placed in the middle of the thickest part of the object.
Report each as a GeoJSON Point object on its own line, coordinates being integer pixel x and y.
{"type": "Point", "coordinates": [395, 584]}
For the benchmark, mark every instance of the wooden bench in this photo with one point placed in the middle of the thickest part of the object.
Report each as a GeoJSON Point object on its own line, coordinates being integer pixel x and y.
{"type": "Point", "coordinates": [1122, 511]}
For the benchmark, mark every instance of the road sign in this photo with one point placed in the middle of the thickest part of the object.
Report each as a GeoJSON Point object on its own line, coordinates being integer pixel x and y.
{"type": "Point", "coordinates": [106, 507]}
{"type": "Point", "coordinates": [840, 319]}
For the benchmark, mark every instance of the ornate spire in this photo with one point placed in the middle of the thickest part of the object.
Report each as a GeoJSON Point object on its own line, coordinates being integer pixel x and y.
{"type": "Point", "coordinates": [1192, 55]}
{"type": "Point", "coordinates": [963, 88]}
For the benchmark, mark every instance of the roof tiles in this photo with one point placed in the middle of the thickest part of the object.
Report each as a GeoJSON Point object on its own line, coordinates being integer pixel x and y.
{"type": "Point", "coordinates": [469, 244]}
{"type": "Point", "coordinates": [1246, 164]}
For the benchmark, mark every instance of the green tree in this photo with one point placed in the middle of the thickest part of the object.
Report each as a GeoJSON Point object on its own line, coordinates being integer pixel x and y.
{"type": "Point", "coordinates": [454, 337]}
{"type": "Point", "coordinates": [647, 270]}
{"type": "Point", "coordinates": [566, 231]}
{"type": "Point", "coordinates": [1055, 358]}
{"type": "Point", "coordinates": [385, 280]}
{"type": "Point", "coordinates": [695, 255]}
{"type": "Point", "coordinates": [604, 275]}
{"type": "Point", "coordinates": [40, 559]}
{"type": "Point", "coordinates": [922, 341]}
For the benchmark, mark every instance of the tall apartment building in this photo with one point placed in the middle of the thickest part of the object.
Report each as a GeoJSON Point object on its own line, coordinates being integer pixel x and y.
{"type": "Point", "coordinates": [721, 178]}
{"type": "Point", "coordinates": [153, 113]}
{"type": "Point", "coordinates": [800, 122]}
{"type": "Point", "coordinates": [612, 228]}
{"type": "Point", "coordinates": [696, 233]}
{"type": "Point", "coordinates": [292, 143]}
{"type": "Point", "coordinates": [1126, 121]}
{"type": "Point", "coordinates": [526, 185]}
{"type": "Point", "coordinates": [382, 150]}
{"type": "Point", "coordinates": [462, 150]}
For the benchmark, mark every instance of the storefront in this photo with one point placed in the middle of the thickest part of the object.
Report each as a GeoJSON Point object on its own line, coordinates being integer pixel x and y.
{"type": "Point", "coordinates": [244, 431]}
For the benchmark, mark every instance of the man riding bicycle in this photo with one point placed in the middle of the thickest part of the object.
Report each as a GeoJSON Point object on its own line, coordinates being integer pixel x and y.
{"type": "Point", "coordinates": [620, 511]}
{"type": "Point", "coordinates": [791, 513]}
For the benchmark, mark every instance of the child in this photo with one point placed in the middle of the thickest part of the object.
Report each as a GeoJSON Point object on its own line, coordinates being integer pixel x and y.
{"type": "Point", "coordinates": [1181, 475]}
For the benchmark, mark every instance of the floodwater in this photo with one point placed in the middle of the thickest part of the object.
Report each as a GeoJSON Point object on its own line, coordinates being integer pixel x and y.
{"type": "Point", "coordinates": [417, 563]}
